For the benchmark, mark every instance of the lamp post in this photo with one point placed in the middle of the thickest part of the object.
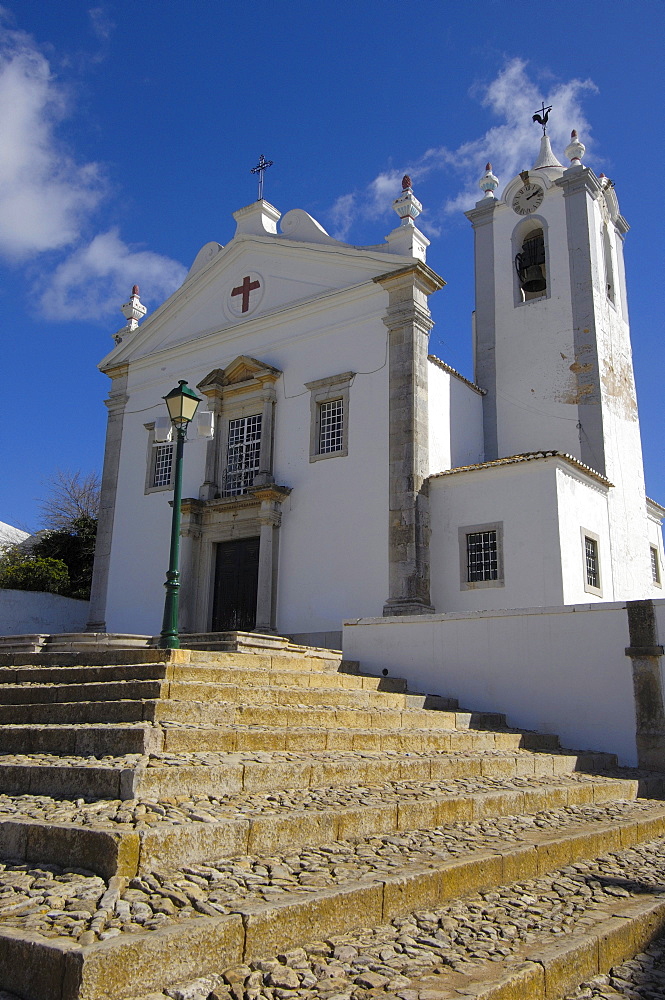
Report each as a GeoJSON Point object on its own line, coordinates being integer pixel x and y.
{"type": "Point", "coordinates": [182, 404]}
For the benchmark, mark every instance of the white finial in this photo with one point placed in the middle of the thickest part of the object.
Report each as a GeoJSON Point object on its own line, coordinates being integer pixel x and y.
{"type": "Point", "coordinates": [133, 311]}
{"type": "Point", "coordinates": [489, 182]}
{"type": "Point", "coordinates": [407, 205]}
{"type": "Point", "coordinates": [575, 150]}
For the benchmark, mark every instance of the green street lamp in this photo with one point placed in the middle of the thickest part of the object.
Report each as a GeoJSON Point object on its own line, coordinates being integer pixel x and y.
{"type": "Point", "coordinates": [182, 404]}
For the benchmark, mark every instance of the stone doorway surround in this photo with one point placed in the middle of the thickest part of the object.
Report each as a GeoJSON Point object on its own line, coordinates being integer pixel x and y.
{"type": "Point", "coordinates": [205, 523]}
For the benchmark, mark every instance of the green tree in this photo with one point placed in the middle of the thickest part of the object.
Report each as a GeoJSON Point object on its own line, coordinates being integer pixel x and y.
{"type": "Point", "coordinates": [29, 573]}
{"type": "Point", "coordinates": [60, 561]}
{"type": "Point", "coordinates": [74, 546]}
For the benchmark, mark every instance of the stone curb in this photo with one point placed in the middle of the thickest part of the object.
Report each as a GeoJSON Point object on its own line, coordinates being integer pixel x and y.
{"type": "Point", "coordinates": [111, 852]}
{"type": "Point", "coordinates": [550, 971]}
{"type": "Point", "coordinates": [258, 930]}
{"type": "Point", "coordinates": [60, 970]}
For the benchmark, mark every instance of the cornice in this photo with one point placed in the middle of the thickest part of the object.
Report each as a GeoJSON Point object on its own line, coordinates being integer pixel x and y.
{"type": "Point", "coordinates": [483, 213]}
{"type": "Point", "coordinates": [421, 275]}
{"type": "Point", "coordinates": [576, 179]}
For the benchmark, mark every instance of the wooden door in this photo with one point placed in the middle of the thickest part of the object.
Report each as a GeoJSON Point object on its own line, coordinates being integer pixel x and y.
{"type": "Point", "coordinates": [236, 581]}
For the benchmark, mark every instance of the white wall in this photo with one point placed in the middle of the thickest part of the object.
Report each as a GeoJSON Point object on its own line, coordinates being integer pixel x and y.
{"type": "Point", "coordinates": [455, 413]}
{"type": "Point", "coordinates": [583, 504]}
{"type": "Point", "coordinates": [522, 497]}
{"type": "Point", "coordinates": [561, 670]}
{"type": "Point", "coordinates": [324, 573]}
{"type": "Point", "coordinates": [29, 612]}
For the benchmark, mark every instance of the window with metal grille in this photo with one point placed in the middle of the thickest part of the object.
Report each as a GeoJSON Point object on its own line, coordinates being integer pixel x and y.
{"type": "Point", "coordinates": [591, 562]}
{"type": "Point", "coordinates": [655, 565]}
{"type": "Point", "coordinates": [162, 465]}
{"type": "Point", "coordinates": [482, 561]}
{"type": "Point", "coordinates": [243, 453]}
{"type": "Point", "coordinates": [331, 426]}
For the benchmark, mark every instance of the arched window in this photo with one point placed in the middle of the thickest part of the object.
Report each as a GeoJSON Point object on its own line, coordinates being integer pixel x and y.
{"type": "Point", "coordinates": [531, 265]}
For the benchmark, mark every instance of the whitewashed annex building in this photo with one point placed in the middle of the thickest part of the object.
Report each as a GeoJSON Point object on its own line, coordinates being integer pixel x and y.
{"type": "Point", "coordinates": [351, 474]}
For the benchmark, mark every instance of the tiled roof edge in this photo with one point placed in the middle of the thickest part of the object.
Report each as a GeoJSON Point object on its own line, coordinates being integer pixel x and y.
{"type": "Point", "coordinates": [451, 371]}
{"type": "Point", "coordinates": [528, 456]}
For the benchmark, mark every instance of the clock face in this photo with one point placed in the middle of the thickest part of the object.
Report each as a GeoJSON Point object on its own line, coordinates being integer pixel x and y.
{"type": "Point", "coordinates": [528, 199]}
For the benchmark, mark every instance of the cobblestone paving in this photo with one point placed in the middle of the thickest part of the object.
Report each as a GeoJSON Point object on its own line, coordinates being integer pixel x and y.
{"type": "Point", "coordinates": [642, 977]}
{"type": "Point", "coordinates": [399, 959]}
{"type": "Point", "coordinates": [214, 758]}
{"type": "Point", "coordinates": [180, 809]}
{"type": "Point", "coordinates": [54, 902]}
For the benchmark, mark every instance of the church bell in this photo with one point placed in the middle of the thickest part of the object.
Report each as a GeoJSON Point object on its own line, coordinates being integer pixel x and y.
{"type": "Point", "coordinates": [529, 264]}
{"type": "Point", "coordinates": [531, 277]}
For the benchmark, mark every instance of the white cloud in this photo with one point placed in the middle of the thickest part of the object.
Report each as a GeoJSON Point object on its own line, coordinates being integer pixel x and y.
{"type": "Point", "coordinates": [101, 23]}
{"type": "Point", "coordinates": [97, 278]}
{"type": "Point", "coordinates": [45, 196]}
{"type": "Point", "coordinates": [511, 146]}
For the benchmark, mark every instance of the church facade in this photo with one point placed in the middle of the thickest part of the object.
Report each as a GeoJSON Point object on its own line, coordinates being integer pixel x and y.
{"type": "Point", "coordinates": [338, 470]}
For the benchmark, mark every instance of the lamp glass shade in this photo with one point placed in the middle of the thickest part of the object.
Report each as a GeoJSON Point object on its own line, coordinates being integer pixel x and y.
{"type": "Point", "coordinates": [182, 403]}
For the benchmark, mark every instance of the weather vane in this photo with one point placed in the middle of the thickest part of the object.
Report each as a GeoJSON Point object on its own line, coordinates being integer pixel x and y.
{"type": "Point", "coordinates": [542, 116]}
{"type": "Point", "coordinates": [260, 169]}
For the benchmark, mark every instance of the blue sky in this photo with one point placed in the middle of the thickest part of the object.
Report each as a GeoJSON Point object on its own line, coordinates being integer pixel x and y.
{"type": "Point", "coordinates": [128, 130]}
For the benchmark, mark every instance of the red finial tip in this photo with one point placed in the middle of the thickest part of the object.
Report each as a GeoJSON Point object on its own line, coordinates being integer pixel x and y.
{"type": "Point", "coordinates": [406, 182]}
{"type": "Point", "coordinates": [488, 166]}
{"type": "Point", "coordinates": [135, 290]}
{"type": "Point", "coordinates": [602, 175]}
{"type": "Point", "coordinates": [573, 134]}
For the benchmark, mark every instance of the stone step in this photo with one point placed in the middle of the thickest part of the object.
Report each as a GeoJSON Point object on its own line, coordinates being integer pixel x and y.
{"type": "Point", "coordinates": [104, 739]}
{"type": "Point", "coordinates": [190, 738]}
{"type": "Point", "coordinates": [124, 838]}
{"type": "Point", "coordinates": [197, 943]}
{"type": "Point", "coordinates": [320, 716]}
{"type": "Point", "coordinates": [157, 709]}
{"type": "Point", "coordinates": [260, 675]}
{"type": "Point", "coordinates": [195, 691]}
{"type": "Point", "coordinates": [166, 775]}
{"type": "Point", "coordinates": [294, 658]}
{"type": "Point", "coordinates": [472, 947]}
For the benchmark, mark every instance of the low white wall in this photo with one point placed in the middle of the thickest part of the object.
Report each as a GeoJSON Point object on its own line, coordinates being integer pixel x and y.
{"type": "Point", "coordinates": [559, 670]}
{"type": "Point", "coordinates": [26, 612]}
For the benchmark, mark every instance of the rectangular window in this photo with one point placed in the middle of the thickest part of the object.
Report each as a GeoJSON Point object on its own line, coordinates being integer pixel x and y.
{"type": "Point", "coordinates": [162, 465]}
{"type": "Point", "coordinates": [593, 580]}
{"type": "Point", "coordinates": [591, 558]}
{"type": "Point", "coordinates": [243, 454]}
{"type": "Point", "coordinates": [331, 426]}
{"type": "Point", "coordinates": [481, 556]}
{"type": "Point", "coordinates": [329, 410]}
{"type": "Point", "coordinates": [655, 566]}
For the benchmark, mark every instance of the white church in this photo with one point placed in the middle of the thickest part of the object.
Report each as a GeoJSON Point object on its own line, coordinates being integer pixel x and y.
{"type": "Point", "coordinates": [337, 470]}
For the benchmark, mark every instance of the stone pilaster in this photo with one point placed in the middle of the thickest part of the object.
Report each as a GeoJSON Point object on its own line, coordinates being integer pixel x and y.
{"type": "Point", "coordinates": [409, 322]}
{"type": "Point", "coordinates": [580, 185]}
{"type": "Point", "coordinates": [646, 653]}
{"type": "Point", "coordinates": [210, 486]}
{"type": "Point", "coordinates": [190, 543]}
{"type": "Point", "coordinates": [270, 517]}
{"type": "Point", "coordinates": [116, 404]}
{"type": "Point", "coordinates": [265, 475]}
{"type": "Point", "coordinates": [482, 220]}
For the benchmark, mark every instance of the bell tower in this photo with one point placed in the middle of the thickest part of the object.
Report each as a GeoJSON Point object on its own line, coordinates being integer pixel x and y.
{"type": "Point", "coordinates": [551, 334]}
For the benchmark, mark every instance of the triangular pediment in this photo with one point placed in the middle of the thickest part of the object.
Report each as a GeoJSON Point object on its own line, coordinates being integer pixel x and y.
{"type": "Point", "coordinates": [243, 369]}
{"type": "Point", "coordinates": [246, 281]}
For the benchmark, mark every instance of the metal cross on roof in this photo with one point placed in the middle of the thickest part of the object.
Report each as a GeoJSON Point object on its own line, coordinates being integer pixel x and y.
{"type": "Point", "coordinates": [260, 169]}
{"type": "Point", "coordinates": [542, 116]}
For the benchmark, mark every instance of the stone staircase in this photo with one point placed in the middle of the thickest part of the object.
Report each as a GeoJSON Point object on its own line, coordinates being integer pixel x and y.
{"type": "Point", "coordinates": [261, 825]}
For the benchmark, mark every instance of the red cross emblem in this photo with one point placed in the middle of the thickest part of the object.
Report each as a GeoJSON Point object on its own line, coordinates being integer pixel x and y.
{"type": "Point", "coordinates": [245, 290]}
